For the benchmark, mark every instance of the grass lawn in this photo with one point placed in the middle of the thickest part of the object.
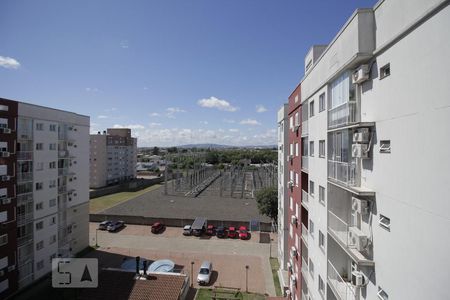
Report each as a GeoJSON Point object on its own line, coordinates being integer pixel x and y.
{"type": "Point", "coordinates": [101, 203]}
{"type": "Point", "coordinates": [206, 294]}
{"type": "Point", "coordinates": [275, 266]}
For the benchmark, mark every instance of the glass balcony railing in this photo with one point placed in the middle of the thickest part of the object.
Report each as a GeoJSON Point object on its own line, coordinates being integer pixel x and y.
{"type": "Point", "coordinates": [342, 115]}
{"type": "Point", "coordinates": [338, 228]}
{"type": "Point", "coordinates": [344, 172]}
{"type": "Point", "coordinates": [305, 233]}
{"type": "Point", "coordinates": [304, 268]}
{"type": "Point", "coordinates": [24, 155]}
{"type": "Point", "coordinates": [305, 199]}
{"type": "Point", "coordinates": [340, 284]}
{"type": "Point", "coordinates": [304, 128]}
{"type": "Point", "coordinates": [305, 162]}
{"type": "Point", "coordinates": [24, 177]}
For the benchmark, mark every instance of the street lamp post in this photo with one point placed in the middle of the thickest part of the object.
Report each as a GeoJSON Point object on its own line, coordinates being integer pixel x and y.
{"type": "Point", "coordinates": [192, 273]}
{"type": "Point", "coordinates": [270, 248]}
{"type": "Point", "coordinates": [246, 278]}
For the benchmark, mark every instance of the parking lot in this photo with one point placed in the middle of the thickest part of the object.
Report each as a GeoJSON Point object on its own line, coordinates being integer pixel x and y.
{"type": "Point", "coordinates": [228, 256]}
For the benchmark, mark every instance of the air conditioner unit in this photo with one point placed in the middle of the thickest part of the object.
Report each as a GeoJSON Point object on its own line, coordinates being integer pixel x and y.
{"type": "Point", "coordinates": [293, 279]}
{"type": "Point", "coordinates": [361, 74]}
{"type": "Point", "coordinates": [5, 178]}
{"type": "Point", "coordinates": [294, 220]}
{"type": "Point", "coordinates": [297, 127]}
{"type": "Point", "coordinates": [291, 157]}
{"type": "Point", "coordinates": [11, 268]}
{"type": "Point", "coordinates": [293, 252]}
{"type": "Point", "coordinates": [360, 206]}
{"type": "Point", "coordinates": [4, 154]}
{"type": "Point", "coordinates": [6, 200]}
{"type": "Point", "coordinates": [289, 266]}
{"type": "Point", "coordinates": [358, 278]}
{"type": "Point", "coordinates": [358, 239]}
{"type": "Point", "coordinates": [361, 136]}
{"type": "Point", "coordinates": [360, 150]}
{"type": "Point", "coordinates": [291, 183]}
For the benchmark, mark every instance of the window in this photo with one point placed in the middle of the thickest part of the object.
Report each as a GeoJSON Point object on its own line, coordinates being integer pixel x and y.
{"type": "Point", "coordinates": [322, 148]}
{"type": "Point", "coordinates": [322, 102]}
{"type": "Point", "coordinates": [52, 239]}
{"type": "Point", "coordinates": [321, 240]}
{"type": "Point", "coordinates": [291, 175]}
{"type": "Point", "coordinates": [291, 231]}
{"type": "Point", "coordinates": [311, 228]}
{"type": "Point", "coordinates": [52, 184]}
{"type": "Point", "coordinates": [52, 257]}
{"type": "Point", "coordinates": [296, 99]}
{"type": "Point", "coordinates": [40, 245]}
{"type": "Point", "coordinates": [311, 268]}
{"type": "Point", "coordinates": [52, 165]}
{"type": "Point", "coordinates": [291, 149]}
{"type": "Point", "coordinates": [296, 179]}
{"type": "Point", "coordinates": [53, 221]}
{"type": "Point", "coordinates": [321, 286]}
{"type": "Point", "coordinates": [291, 123]}
{"type": "Point", "coordinates": [296, 149]}
{"type": "Point", "coordinates": [39, 186]}
{"type": "Point", "coordinates": [3, 239]}
{"type": "Point", "coordinates": [39, 126]}
{"type": "Point", "coordinates": [39, 146]}
{"type": "Point", "coordinates": [52, 127]}
{"type": "Point", "coordinates": [4, 107]}
{"type": "Point", "coordinates": [39, 225]}
{"type": "Point", "coordinates": [40, 265]}
{"type": "Point", "coordinates": [52, 202]}
{"type": "Point", "coordinates": [291, 203]}
{"type": "Point", "coordinates": [321, 194]}
{"type": "Point", "coordinates": [385, 71]}
{"type": "Point", "coordinates": [311, 108]}
{"type": "Point", "coordinates": [297, 119]}
{"type": "Point", "coordinates": [385, 222]}
{"type": "Point", "coordinates": [39, 166]}
{"type": "Point", "coordinates": [311, 148]}
{"type": "Point", "coordinates": [39, 205]}
{"type": "Point", "coordinates": [385, 146]}
{"type": "Point", "coordinates": [311, 188]}
{"type": "Point", "coordinates": [52, 146]}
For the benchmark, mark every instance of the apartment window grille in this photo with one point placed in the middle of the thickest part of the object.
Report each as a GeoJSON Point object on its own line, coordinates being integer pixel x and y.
{"type": "Point", "coordinates": [322, 102]}
{"type": "Point", "coordinates": [311, 228]}
{"type": "Point", "coordinates": [3, 239]}
{"type": "Point", "coordinates": [385, 222]}
{"type": "Point", "coordinates": [39, 186]}
{"type": "Point", "coordinates": [39, 126]}
{"type": "Point", "coordinates": [321, 240]}
{"type": "Point", "coordinates": [311, 108]}
{"type": "Point", "coordinates": [311, 188]}
{"type": "Point", "coordinates": [40, 265]}
{"type": "Point", "coordinates": [40, 225]}
{"type": "Point", "coordinates": [385, 71]}
{"type": "Point", "coordinates": [39, 146]}
{"type": "Point", "coordinates": [385, 146]}
{"type": "Point", "coordinates": [321, 194]}
{"type": "Point", "coordinates": [311, 148]}
{"type": "Point", "coordinates": [39, 205]}
{"type": "Point", "coordinates": [321, 286]}
{"type": "Point", "coordinates": [40, 245]}
{"type": "Point", "coordinates": [322, 148]}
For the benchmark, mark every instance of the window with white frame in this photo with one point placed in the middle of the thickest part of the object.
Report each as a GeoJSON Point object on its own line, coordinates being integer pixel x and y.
{"type": "Point", "coordinates": [39, 205]}
{"type": "Point", "coordinates": [291, 122]}
{"type": "Point", "coordinates": [311, 228]}
{"type": "Point", "coordinates": [321, 286]}
{"type": "Point", "coordinates": [291, 149]}
{"type": "Point", "coordinates": [291, 203]}
{"type": "Point", "coordinates": [40, 225]}
{"type": "Point", "coordinates": [322, 148]}
{"type": "Point", "coordinates": [311, 109]}
{"type": "Point", "coordinates": [39, 186]}
{"type": "Point", "coordinates": [52, 183]}
{"type": "Point", "coordinates": [296, 149]}
{"type": "Point", "coordinates": [321, 240]}
{"type": "Point", "coordinates": [52, 146]}
{"type": "Point", "coordinates": [311, 188]}
{"type": "Point", "coordinates": [39, 245]}
{"type": "Point", "coordinates": [52, 202]}
{"type": "Point", "coordinates": [52, 127]}
{"type": "Point", "coordinates": [311, 148]}
{"type": "Point", "coordinates": [39, 146]}
{"type": "Point", "coordinates": [52, 165]}
{"type": "Point", "coordinates": [322, 102]}
{"type": "Point", "coordinates": [291, 231]}
{"type": "Point", "coordinates": [321, 194]}
{"type": "Point", "coordinates": [39, 126]}
{"type": "Point", "coordinates": [296, 179]}
{"type": "Point", "coordinates": [311, 268]}
{"type": "Point", "coordinates": [297, 119]}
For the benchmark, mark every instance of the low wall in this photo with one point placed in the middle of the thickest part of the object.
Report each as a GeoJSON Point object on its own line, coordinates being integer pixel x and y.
{"type": "Point", "coordinates": [171, 222]}
{"type": "Point", "coordinates": [130, 186]}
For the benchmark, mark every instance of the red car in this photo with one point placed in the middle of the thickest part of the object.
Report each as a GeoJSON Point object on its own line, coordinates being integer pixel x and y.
{"type": "Point", "coordinates": [157, 227]}
{"type": "Point", "coordinates": [232, 233]}
{"type": "Point", "coordinates": [243, 233]}
{"type": "Point", "coordinates": [210, 230]}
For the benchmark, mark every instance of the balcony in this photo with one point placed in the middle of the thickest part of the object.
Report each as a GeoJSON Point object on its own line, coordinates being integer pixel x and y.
{"type": "Point", "coordinates": [340, 284]}
{"type": "Point", "coordinates": [24, 155]}
{"type": "Point", "coordinates": [343, 172]}
{"type": "Point", "coordinates": [63, 171]}
{"type": "Point", "coordinates": [305, 163]}
{"type": "Point", "coordinates": [339, 231]}
{"type": "Point", "coordinates": [63, 154]}
{"type": "Point", "coordinates": [305, 200]}
{"type": "Point", "coordinates": [304, 268]}
{"type": "Point", "coordinates": [304, 128]}
{"type": "Point", "coordinates": [24, 239]}
{"type": "Point", "coordinates": [24, 177]}
{"type": "Point", "coordinates": [62, 189]}
{"type": "Point", "coordinates": [25, 218]}
{"type": "Point", "coordinates": [343, 115]}
{"type": "Point", "coordinates": [305, 234]}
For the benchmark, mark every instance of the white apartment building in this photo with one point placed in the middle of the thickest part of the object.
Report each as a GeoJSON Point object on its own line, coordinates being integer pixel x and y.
{"type": "Point", "coordinates": [113, 157]}
{"type": "Point", "coordinates": [376, 130]}
{"type": "Point", "coordinates": [283, 199]}
{"type": "Point", "coordinates": [44, 189]}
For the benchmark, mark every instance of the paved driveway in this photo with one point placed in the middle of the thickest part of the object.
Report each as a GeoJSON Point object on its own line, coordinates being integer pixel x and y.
{"type": "Point", "coordinates": [229, 257]}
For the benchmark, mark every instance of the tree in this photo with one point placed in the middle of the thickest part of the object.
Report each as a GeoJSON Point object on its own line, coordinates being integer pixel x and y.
{"type": "Point", "coordinates": [155, 151]}
{"type": "Point", "coordinates": [172, 149]}
{"type": "Point", "coordinates": [267, 200]}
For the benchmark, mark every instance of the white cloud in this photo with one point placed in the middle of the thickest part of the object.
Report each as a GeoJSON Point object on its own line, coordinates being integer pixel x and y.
{"type": "Point", "coordinates": [260, 109]}
{"type": "Point", "coordinates": [154, 124]}
{"type": "Point", "coordinates": [131, 126]}
{"type": "Point", "coordinates": [204, 122]}
{"type": "Point", "coordinates": [213, 102]}
{"type": "Point", "coordinates": [92, 90]}
{"type": "Point", "coordinates": [229, 121]}
{"type": "Point", "coordinates": [251, 122]}
{"type": "Point", "coordinates": [9, 62]}
{"type": "Point", "coordinates": [102, 117]}
{"type": "Point", "coordinates": [155, 114]}
{"type": "Point", "coordinates": [233, 130]}
{"type": "Point", "coordinates": [124, 44]}
{"type": "Point", "coordinates": [171, 111]}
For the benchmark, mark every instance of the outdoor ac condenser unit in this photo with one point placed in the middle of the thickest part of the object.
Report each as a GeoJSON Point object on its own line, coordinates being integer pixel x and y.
{"type": "Point", "coordinates": [361, 74]}
{"type": "Point", "coordinates": [357, 238]}
{"type": "Point", "coordinates": [360, 151]}
{"type": "Point", "coordinates": [358, 278]}
{"type": "Point", "coordinates": [361, 136]}
{"type": "Point", "coordinates": [360, 206]}
{"type": "Point", "coordinates": [294, 220]}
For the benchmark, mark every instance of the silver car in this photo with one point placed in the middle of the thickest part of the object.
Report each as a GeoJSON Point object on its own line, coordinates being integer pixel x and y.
{"type": "Point", "coordinates": [204, 274]}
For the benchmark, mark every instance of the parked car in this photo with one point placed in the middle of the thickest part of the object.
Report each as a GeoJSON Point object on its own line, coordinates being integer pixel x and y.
{"type": "Point", "coordinates": [115, 225]}
{"type": "Point", "coordinates": [210, 230]}
{"type": "Point", "coordinates": [104, 225]}
{"type": "Point", "coordinates": [198, 232]}
{"type": "Point", "coordinates": [187, 230]}
{"type": "Point", "coordinates": [243, 233]}
{"type": "Point", "coordinates": [204, 274]}
{"type": "Point", "coordinates": [232, 233]}
{"type": "Point", "coordinates": [221, 232]}
{"type": "Point", "coordinates": [157, 227]}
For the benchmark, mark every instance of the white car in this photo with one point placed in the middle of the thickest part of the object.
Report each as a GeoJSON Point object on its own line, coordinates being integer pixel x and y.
{"type": "Point", "coordinates": [204, 274]}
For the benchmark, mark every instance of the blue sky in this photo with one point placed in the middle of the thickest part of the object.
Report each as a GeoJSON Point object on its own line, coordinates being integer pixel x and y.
{"type": "Point", "coordinates": [176, 72]}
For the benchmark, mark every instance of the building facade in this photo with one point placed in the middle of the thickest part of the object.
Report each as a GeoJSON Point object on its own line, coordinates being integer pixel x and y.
{"type": "Point", "coordinates": [44, 190]}
{"type": "Point", "coordinates": [113, 157]}
{"type": "Point", "coordinates": [375, 122]}
{"type": "Point", "coordinates": [283, 198]}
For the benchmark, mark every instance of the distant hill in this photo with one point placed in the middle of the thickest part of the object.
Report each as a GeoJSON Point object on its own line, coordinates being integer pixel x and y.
{"type": "Point", "coordinates": [215, 146]}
